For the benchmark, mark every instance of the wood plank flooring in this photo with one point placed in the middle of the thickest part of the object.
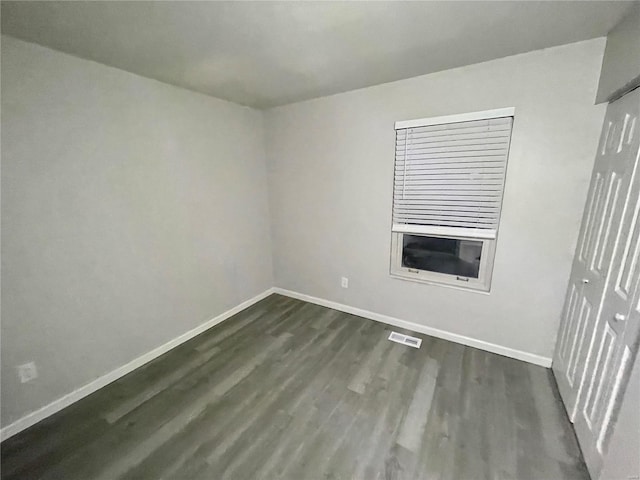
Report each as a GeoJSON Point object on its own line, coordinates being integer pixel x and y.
{"type": "Point", "coordinates": [291, 390]}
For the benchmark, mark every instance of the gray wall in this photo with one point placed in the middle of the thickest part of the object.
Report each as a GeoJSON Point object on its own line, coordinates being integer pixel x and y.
{"type": "Point", "coordinates": [330, 165]}
{"type": "Point", "coordinates": [132, 212]}
{"type": "Point", "coordinates": [621, 64]}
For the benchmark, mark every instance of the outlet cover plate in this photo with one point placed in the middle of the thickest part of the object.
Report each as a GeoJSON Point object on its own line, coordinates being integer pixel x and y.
{"type": "Point", "coordinates": [27, 372]}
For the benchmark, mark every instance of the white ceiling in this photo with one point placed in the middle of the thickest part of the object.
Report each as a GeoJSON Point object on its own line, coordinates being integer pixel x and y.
{"type": "Point", "coordinates": [264, 54]}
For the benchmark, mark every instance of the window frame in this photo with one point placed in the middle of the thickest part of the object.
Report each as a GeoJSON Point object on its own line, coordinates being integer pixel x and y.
{"type": "Point", "coordinates": [488, 237]}
{"type": "Point", "coordinates": [481, 284]}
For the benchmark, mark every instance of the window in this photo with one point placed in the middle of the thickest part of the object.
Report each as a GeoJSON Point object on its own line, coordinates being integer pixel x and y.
{"type": "Point", "coordinates": [447, 196]}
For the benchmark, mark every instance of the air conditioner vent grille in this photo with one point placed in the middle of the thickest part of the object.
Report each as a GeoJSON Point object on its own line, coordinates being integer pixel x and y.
{"type": "Point", "coordinates": [405, 339]}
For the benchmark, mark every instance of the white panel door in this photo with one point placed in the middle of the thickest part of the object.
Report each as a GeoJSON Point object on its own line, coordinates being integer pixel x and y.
{"type": "Point", "coordinates": [591, 270]}
{"type": "Point", "coordinates": [614, 342]}
{"type": "Point", "coordinates": [598, 333]}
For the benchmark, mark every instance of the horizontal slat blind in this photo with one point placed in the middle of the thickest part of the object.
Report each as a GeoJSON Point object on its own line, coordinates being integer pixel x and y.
{"type": "Point", "coordinates": [451, 175]}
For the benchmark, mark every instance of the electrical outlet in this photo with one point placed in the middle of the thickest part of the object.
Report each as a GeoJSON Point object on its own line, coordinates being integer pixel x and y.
{"type": "Point", "coordinates": [345, 282]}
{"type": "Point", "coordinates": [27, 372]}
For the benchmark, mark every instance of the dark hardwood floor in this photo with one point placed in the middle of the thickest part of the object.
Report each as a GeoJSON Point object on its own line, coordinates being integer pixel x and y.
{"type": "Point", "coordinates": [291, 390]}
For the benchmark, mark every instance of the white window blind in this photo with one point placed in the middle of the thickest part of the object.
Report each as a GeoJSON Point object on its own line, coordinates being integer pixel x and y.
{"type": "Point", "coordinates": [451, 174]}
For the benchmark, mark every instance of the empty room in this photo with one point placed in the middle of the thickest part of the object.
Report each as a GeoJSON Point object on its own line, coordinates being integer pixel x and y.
{"type": "Point", "coordinates": [297, 240]}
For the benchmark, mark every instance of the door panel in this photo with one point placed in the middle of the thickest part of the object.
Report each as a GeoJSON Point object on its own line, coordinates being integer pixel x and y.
{"type": "Point", "coordinates": [583, 319]}
{"type": "Point", "coordinates": [591, 267]}
{"type": "Point", "coordinates": [630, 257]}
{"type": "Point", "coordinates": [604, 233]}
{"type": "Point", "coordinates": [594, 206]}
{"type": "Point", "coordinates": [619, 382]}
{"type": "Point", "coordinates": [617, 337]}
{"type": "Point", "coordinates": [599, 334]}
{"type": "Point", "coordinates": [600, 376]}
{"type": "Point", "coordinates": [566, 333]}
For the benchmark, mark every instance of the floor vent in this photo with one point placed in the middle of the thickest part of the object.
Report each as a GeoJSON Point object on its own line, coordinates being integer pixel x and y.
{"type": "Point", "coordinates": [405, 339]}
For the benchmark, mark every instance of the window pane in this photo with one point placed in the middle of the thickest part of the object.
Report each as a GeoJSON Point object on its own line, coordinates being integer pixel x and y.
{"type": "Point", "coordinates": [443, 255]}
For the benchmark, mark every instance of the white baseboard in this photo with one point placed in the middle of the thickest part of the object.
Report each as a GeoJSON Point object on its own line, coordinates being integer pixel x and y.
{"type": "Point", "coordinates": [57, 405]}
{"type": "Point", "coordinates": [434, 332]}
